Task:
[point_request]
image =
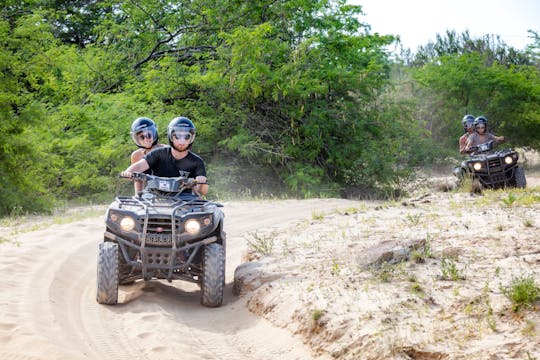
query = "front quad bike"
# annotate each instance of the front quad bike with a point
(492, 169)
(162, 234)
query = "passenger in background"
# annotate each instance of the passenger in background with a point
(468, 127)
(145, 135)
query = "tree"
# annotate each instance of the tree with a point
(24, 136)
(479, 77)
(298, 89)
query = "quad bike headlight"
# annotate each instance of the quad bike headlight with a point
(477, 166)
(508, 160)
(127, 223)
(192, 226)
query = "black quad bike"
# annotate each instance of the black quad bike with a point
(162, 234)
(492, 169)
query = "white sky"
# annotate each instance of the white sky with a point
(418, 21)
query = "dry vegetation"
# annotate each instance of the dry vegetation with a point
(458, 279)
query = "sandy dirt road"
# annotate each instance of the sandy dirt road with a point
(48, 308)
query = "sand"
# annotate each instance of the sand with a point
(313, 296)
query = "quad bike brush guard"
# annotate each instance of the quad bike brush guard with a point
(162, 234)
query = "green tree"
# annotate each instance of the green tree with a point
(292, 93)
(24, 161)
(479, 77)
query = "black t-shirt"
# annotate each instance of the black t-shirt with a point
(162, 163)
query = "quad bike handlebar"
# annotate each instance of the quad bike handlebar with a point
(144, 176)
(482, 148)
(164, 184)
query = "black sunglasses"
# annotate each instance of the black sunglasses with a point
(145, 136)
(184, 136)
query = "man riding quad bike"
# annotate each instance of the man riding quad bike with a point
(162, 234)
(492, 169)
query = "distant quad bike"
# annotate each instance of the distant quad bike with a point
(489, 169)
(161, 234)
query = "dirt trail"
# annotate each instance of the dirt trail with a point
(48, 308)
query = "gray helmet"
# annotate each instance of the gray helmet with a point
(480, 120)
(181, 124)
(143, 127)
(467, 120)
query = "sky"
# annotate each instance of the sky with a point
(418, 21)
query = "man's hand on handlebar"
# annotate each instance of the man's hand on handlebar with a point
(132, 175)
(125, 174)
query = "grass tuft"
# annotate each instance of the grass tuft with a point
(522, 292)
(450, 271)
(261, 244)
(317, 314)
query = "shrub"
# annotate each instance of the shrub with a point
(522, 291)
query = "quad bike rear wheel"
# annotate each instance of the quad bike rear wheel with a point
(213, 275)
(107, 273)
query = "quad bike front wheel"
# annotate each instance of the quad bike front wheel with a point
(476, 186)
(213, 275)
(107, 273)
(519, 178)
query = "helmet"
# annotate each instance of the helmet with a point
(181, 124)
(467, 120)
(145, 125)
(480, 120)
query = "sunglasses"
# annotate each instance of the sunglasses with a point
(179, 136)
(146, 135)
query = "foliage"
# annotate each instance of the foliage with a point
(459, 75)
(522, 291)
(261, 243)
(297, 95)
(450, 270)
(24, 162)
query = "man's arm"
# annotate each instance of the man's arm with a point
(136, 156)
(462, 144)
(139, 166)
(201, 188)
(470, 143)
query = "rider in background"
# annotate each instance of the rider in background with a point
(145, 135)
(481, 135)
(177, 159)
(468, 128)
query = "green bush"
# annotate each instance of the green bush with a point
(522, 291)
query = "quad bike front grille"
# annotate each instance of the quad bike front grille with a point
(158, 231)
(158, 225)
(498, 179)
(495, 178)
(494, 163)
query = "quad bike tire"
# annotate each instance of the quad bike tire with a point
(213, 275)
(476, 186)
(519, 178)
(107, 273)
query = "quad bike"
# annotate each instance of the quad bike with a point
(492, 169)
(162, 233)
